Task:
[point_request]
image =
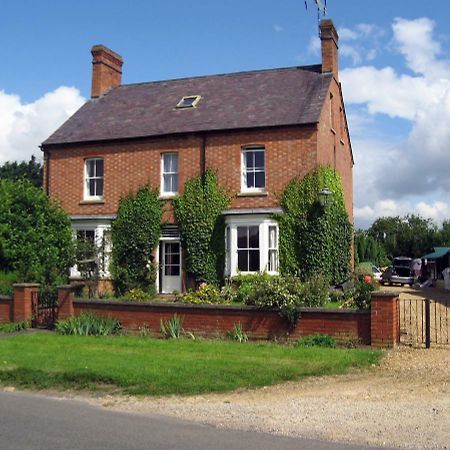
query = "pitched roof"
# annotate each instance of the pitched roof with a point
(263, 98)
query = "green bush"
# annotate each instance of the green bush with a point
(237, 333)
(172, 328)
(136, 295)
(7, 279)
(316, 291)
(14, 326)
(283, 293)
(135, 234)
(35, 234)
(317, 340)
(207, 293)
(360, 296)
(199, 215)
(89, 324)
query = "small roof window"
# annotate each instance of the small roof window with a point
(190, 101)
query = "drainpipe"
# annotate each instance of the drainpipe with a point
(203, 158)
(46, 181)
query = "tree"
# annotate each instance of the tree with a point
(443, 237)
(411, 235)
(35, 234)
(135, 234)
(31, 171)
(368, 249)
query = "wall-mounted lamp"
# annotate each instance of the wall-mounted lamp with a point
(325, 196)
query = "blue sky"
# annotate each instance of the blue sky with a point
(394, 62)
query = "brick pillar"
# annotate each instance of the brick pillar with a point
(22, 301)
(384, 315)
(65, 301)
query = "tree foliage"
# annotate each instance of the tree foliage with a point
(411, 235)
(35, 234)
(135, 234)
(199, 215)
(315, 239)
(368, 249)
(31, 170)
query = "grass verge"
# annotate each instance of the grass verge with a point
(134, 365)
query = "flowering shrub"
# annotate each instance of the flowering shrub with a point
(206, 294)
(282, 293)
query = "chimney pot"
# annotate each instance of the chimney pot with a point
(329, 39)
(106, 70)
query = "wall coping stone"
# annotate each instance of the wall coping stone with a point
(385, 294)
(6, 297)
(25, 285)
(217, 307)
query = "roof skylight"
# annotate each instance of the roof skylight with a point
(190, 101)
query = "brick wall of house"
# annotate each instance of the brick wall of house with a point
(290, 152)
(333, 147)
(127, 166)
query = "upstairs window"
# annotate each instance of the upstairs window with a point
(253, 169)
(189, 101)
(93, 174)
(169, 178)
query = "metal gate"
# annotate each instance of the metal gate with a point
(45, 309)
(424, 322)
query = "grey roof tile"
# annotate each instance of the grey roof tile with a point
(262, 98)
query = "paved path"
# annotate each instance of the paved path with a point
(36, 422)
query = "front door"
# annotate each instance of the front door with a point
(170, 267)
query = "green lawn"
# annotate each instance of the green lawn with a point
(137, 365)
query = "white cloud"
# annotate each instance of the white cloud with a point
(414, 39)
(360, 43)
(437, 211)
(416, 167)
(278, 28)
(25, 125)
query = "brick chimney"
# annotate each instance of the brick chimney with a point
(329, 39)
(106, 70)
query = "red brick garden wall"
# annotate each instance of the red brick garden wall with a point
(6, 311)
(217, 320)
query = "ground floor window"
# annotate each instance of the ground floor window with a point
(251, 245)
(95, 238)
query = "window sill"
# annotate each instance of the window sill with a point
(168, 196)
(92, 202)
(253, 194)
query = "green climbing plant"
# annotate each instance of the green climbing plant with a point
(315, 239)
(199, 215)
(135, 234)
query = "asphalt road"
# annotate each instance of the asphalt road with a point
(30, 421)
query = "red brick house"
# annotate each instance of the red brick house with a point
(258, 129)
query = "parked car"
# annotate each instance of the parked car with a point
(400, 272)
(377, 273)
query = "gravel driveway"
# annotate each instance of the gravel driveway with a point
(405, 403)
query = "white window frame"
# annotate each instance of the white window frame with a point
(168, 194)
(87, 179)
(250, 149)
(100, 228)
(263, 222)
